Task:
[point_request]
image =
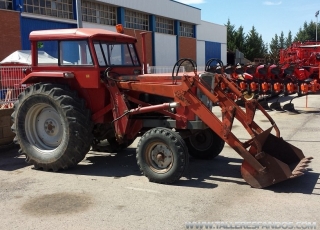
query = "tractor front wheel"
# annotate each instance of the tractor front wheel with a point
(162, 155)
(52, 126)
(205, 144)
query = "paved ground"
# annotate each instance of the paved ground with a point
(108, 192)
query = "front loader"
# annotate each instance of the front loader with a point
(72, 106)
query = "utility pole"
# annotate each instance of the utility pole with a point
(317, 13)
(79, 13)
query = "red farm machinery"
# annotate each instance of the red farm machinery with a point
(95, 90)
(296, 73)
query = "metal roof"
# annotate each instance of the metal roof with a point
(80, 33)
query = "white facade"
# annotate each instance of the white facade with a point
(98, 26)
(164, 8)
(201, 53)
(212, 32)
(165, 49)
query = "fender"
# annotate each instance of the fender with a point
(86, 78)
(34, 76)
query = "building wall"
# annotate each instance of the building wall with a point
(98, 26)
(213, 50)
(165, 49)
(31, 24)
(10, 39)
(187, 48)
(215, 38)
(212, 32)
(164, 8)
(224, 53)
(201, 53)
(148, 40)
(162, 49)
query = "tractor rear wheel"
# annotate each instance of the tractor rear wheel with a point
(162, 155)
(205, 145)
(52, 126)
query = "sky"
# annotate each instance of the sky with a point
(268, 17)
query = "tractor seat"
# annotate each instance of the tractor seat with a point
(229, 70)
(251, 70)
(275, 71)
(262, 71)
(239, 70)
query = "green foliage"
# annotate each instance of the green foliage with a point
(274, 49)
(307, 32)
(253, 46)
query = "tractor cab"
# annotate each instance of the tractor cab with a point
(83, 54)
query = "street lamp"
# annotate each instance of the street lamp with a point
(317, 13)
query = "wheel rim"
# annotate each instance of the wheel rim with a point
(44, 128)
(159, 157)
(202, 141)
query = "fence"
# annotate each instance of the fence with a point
(168, 69)
(10, 85)
(11, 76)
(163, 69)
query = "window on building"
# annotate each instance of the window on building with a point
(6, 4)
(54, 8)
(99, 13)
(136, 20)
(186, 30)
(164, 25)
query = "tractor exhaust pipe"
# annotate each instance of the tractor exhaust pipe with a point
(144, 52)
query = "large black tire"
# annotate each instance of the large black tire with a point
(52, 126)
(162, 155)
(205, 145)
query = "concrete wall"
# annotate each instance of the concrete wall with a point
(165, 8)
(10, 39)
(201, 53)
(212, 33)
(165, 49)
(6, 136)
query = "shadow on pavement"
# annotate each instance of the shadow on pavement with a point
(200, 173)
(11, 159)
(306, 184)
(117, 165)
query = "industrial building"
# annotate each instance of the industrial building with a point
(174, 30)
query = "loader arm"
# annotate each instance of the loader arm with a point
(268, 159)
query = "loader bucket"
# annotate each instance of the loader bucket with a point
(280, 159)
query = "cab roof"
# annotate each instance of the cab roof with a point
(80, 33)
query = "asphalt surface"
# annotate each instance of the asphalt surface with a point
(108, 192)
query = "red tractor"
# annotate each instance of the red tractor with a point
(95, 90)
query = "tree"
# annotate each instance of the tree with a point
(230, 36)
(239, 39)
(281, 41)
(308, 32)
(274, 49)
(288, 40)
(254, 47)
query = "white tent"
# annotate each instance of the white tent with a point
(23, 57)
